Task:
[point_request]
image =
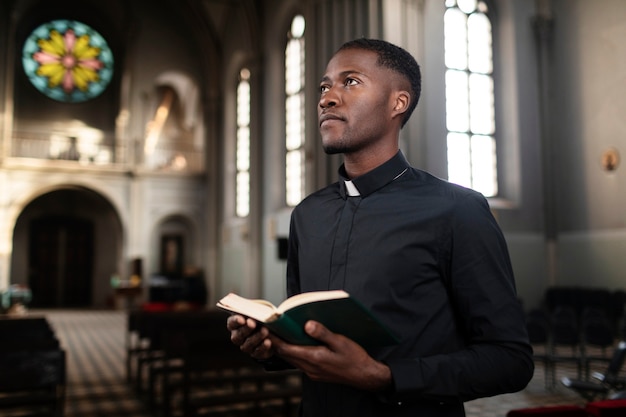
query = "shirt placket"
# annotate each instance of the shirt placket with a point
(341, 243)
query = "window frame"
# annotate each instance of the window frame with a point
(495, 134)
(295, 150)
(242, 168)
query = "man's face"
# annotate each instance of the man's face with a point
(356, 103)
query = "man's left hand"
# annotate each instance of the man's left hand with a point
(337, 360)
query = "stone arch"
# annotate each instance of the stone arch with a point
(67, 243)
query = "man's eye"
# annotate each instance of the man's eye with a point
(351, 81)
(323, 89)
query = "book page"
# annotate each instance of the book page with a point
(309, 297)
(260, 310)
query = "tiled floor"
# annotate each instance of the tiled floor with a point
(94, 341)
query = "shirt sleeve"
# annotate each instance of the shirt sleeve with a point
(497, 357)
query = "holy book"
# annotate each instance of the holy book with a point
(335, 309)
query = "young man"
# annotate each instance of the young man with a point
(425, 256)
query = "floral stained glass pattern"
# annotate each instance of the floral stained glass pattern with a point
(68, 61)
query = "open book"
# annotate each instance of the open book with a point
(335, 309)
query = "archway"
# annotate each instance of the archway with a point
(67, 244)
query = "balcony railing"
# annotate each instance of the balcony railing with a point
(103, 152)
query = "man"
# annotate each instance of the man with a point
(425, 256)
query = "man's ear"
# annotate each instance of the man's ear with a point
(402, 100)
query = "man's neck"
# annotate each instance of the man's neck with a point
(359, 163)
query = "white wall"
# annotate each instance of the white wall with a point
(588, 101)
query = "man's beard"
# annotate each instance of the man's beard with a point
(340, 145)
(334, 149)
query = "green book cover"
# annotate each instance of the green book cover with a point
(335, 309)
(345, 316)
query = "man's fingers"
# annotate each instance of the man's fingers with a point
(318, 331)
(240, 328)
(251, 338)
(235, 321)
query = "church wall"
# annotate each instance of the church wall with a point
(520, 210)
(238, 238)
(588, 74)
(277, 19)
(565, 225)
(159, 41)
(157, 198)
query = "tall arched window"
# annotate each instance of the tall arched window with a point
(470, 112)
(294, 112)
(242, 182)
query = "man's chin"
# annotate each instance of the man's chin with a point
(334, 147)
(332, 150)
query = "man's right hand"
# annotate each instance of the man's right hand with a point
(251, 337)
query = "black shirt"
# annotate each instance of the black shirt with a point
(428, 258)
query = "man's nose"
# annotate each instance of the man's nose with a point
(329, 99)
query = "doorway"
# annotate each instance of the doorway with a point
(60, 261)
(67, 244)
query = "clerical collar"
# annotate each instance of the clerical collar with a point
(351, 189)
(377, 178)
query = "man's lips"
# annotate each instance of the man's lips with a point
(329, 117)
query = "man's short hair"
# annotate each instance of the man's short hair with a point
(396, 59)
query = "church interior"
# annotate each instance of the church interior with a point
(151, 151)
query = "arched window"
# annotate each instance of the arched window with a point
(173, 140)
(294, 112)
(470, 111)
(242, 153)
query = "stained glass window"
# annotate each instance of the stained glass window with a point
(67, 61)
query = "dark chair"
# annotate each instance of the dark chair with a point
(559, 297)
(137, 342)
(618, 310)
(32, 367)
(596, 299)
(146, 348)
(33, 382)
(538, 328)
(255, 394)
(565, 339)
(177, 336)
(618, 303)
(24, 329)
(597, 334)
(610, 382)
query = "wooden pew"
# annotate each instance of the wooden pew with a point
(212, 373)
(191, 365)
(146, 333)
(32, 368)
(250, 394)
